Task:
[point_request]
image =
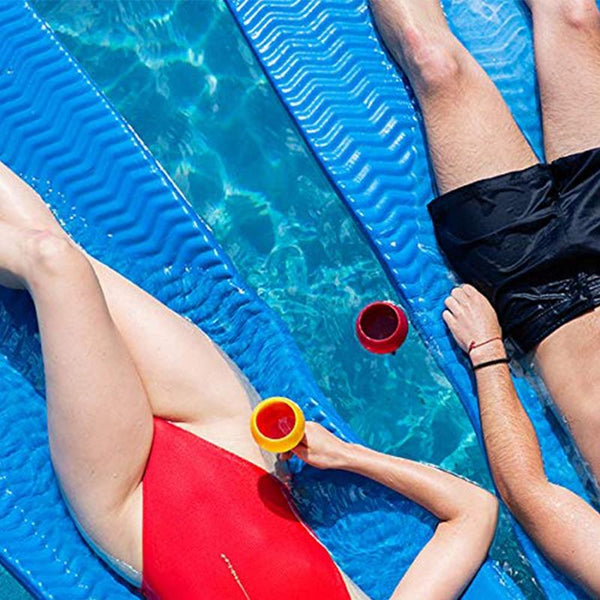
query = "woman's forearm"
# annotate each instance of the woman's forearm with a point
(467, 514)
(446, 496)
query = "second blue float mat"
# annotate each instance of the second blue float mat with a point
(357, 114)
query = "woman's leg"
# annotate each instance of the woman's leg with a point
(567, 53)
(186, 377)
(471, 132)
(99, 419)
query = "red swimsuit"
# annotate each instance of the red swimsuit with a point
(217, 527)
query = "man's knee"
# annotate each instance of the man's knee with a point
(435, 63)
(581, 15)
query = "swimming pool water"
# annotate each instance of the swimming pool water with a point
(182, 75)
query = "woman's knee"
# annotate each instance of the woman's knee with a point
(52, 255)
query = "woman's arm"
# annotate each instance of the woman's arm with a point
(563, 525)
(467, 513)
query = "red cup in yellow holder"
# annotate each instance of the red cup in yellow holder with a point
(277, 424)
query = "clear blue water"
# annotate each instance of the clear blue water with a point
(184, 78)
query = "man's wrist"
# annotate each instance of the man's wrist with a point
(492, 351)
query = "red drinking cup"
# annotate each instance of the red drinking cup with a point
(382, 327)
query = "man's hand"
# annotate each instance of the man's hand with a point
(472, 319)
(320, 448)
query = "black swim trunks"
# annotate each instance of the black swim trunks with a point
(530, 241)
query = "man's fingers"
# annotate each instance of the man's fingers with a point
(448, 318)
(452, 304)
(459, 294)
(469, 290)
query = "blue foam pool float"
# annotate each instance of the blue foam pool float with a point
(357, 114)
(60, 133)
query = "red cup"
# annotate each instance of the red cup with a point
(381, 327)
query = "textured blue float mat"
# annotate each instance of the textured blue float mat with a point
(360, 119)
(62, 136)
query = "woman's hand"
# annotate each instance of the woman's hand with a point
(472, 320)
(320, 448)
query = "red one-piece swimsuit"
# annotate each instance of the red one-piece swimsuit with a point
(217, 527)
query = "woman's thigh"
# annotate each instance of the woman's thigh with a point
(99, 418)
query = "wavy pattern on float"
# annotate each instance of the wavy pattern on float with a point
(356, 113)
(61, 135)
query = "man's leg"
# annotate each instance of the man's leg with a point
(567, 49)
(567, 52)
(567, 361)
(471, 132)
